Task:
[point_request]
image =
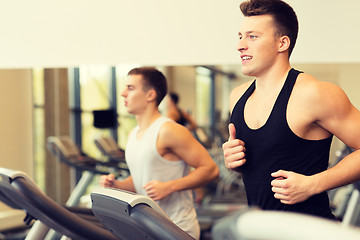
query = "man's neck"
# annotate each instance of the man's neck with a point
(272, 79)
(147, 118)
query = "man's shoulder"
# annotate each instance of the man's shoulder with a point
(310, 85)
(171, 134)
(315, 93)
(171, 127)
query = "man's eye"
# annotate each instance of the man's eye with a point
(252, 37)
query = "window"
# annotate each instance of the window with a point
(39, 131)
(203, 96)
(126, 120)
(95, 94)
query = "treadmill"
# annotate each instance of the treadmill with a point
(256, 224)
(18, 191)
(120, 210)
(132, 216)
(109, 148)
(68, 152)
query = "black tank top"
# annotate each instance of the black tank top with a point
(275, 147)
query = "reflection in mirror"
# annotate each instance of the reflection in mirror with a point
(204, 93)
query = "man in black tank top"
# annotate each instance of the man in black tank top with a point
(283, 122)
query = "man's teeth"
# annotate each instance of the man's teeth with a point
(246, 58)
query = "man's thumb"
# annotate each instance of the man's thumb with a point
(111, 177)
(232, 132)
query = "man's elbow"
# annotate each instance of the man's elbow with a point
(215, 172)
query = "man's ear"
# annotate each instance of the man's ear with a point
(284, 43)
(151, 95)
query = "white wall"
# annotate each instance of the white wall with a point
(161, 32)
(183, 82)
(16, 142)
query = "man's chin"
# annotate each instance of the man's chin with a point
(247, 72)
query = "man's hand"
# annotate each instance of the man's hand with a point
(108, 180)
(234, 150)
(291, 188)
(157, 190)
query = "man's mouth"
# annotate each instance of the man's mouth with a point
(246, 58)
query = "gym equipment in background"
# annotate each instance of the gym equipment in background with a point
(109, 148)
(106, 118)
(352, 212)
(68, 152)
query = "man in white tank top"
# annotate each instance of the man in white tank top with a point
(159, 153)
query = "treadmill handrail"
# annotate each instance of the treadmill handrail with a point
(27, 196)
(12, 174)
(256, 224)
(131, 198)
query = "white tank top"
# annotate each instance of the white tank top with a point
(146, 164)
